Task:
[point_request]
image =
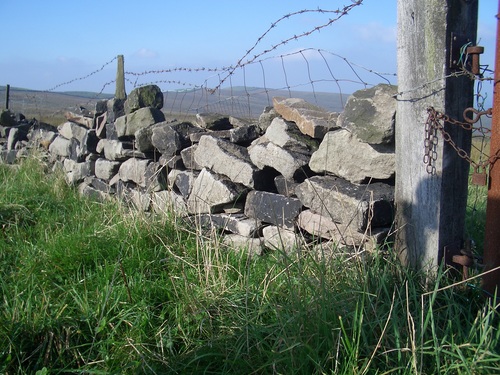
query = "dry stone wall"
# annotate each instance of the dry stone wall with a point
(298, 176)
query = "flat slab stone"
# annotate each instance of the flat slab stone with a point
(341, 153)
(171, 138)
(211, 192)
(134, 170)
(273, 208)
(106, 169)
(310, 119)
(234, 223)
(322, 226)
(90, 192)
(347, 203)
(287, 135)
(292, 165)
(116, 150)
(226, 158)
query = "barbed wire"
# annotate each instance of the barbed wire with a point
(83, 77)
(339, 12)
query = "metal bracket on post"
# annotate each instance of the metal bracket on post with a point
(457, 42)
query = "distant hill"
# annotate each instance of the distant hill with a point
(242, 102)
(48, 106)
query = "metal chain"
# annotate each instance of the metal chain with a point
(435, 123)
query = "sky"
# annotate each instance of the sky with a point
(52, 42)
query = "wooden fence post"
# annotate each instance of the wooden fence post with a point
(430, 208)
(120, 79)
(7, 94)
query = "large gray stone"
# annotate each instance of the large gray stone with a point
(287, 135)
(226, 158)
(184, 181)
(129, 124)
(106, 169)
(341, 153)
(8, 156)
(14, 137)
(61, 146)
(87, 191)
(170, 138)
(144, 96)
(370, 114)
(211, 192)
(116, 150)
(70, 130)
(310, 119)
(155, 177)
(115, 109)
(99, 184)
(142, 138)
(134, 170)
(286, 240)
(167, 202)
(243, 134)
(188, 159)
(272, 208)
(291, 165)
(76, 172)
(343, 202)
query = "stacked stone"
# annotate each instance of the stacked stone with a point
(298, 176)
(18, 134)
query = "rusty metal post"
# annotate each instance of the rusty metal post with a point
(491, 281)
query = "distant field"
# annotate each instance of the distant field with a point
(237, 101)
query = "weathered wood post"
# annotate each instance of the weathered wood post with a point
(120, 79)
(430, 207)
(7, 94)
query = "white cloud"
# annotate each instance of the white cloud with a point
(146, 53)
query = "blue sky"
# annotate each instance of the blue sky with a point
(51, 42)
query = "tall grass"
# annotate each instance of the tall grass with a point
(95, 288)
